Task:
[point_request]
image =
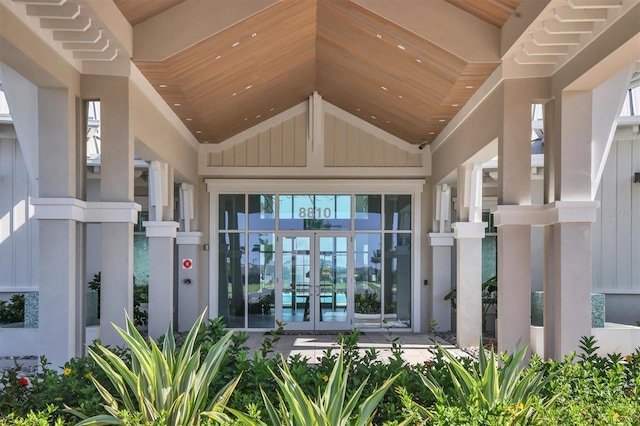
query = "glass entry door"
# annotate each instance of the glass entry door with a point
(314, 281)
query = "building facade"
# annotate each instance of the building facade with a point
(331, 187)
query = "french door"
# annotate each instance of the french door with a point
(315, 277)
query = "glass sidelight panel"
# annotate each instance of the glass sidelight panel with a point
(296, 278)
(231, 215)
(332, 282)
(231, 290)
(397, 280)
(368, 279)
(261, 281)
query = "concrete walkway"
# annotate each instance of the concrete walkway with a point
(417, 348)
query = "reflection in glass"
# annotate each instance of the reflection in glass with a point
(333, 279)
(231, 212)
(397, 280)
(261, 281)
(296, 271)
(231, 296)
(367, 273)
(397, 212)
(368, 213)
(314, 212)
(262, 212)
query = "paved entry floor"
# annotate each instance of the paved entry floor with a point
(417, 347)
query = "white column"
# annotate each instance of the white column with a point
(569, 132)
(469, 237)
(514, 287)
(514, 240)
(116, 185)
(567, 294)
(468, 234)
(188, 280)
(441, 245)
(61, 303)
(161, 245)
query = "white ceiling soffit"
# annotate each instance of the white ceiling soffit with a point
(92, 30)
(562, 30)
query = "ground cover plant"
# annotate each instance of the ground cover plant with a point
(493, 390)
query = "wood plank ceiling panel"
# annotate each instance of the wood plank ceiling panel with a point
(386, 74)
(137, 11)
(248, 72)
(355, 59)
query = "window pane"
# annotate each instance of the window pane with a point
(301, 212)
(262, 212)
(231, 279)
(397, 212)
(261, 281)
(368, 263)
(368, 214)
(231, 212)
(489, 257)
(397, 280)
(142, 217)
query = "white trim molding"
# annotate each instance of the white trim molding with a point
(546, 214)
(162, 229)
(441, 239)
(468, 229)
(314, 186)
(189, 238)
(86, 212)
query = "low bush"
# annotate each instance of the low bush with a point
(579, 389)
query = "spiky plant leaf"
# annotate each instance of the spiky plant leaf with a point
(160, 384)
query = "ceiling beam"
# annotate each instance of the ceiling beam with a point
(440, 23)
(192, 21)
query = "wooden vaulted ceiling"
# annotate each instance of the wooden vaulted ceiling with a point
(356, 59)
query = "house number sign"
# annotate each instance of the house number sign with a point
(315, 213)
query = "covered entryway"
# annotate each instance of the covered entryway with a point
(314, 256)
(315, 282)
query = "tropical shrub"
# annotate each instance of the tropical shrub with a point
(160, 386)
(13, 310)
(333, 407)
(588, 388)
(508, 394)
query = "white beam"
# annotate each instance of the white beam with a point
(543, 38)
(43, 2)
(99, 46)
(533, 49)
(440, 23)
(567, 14)
(107, 55)
(197, 20)
(89, 36)
(595, 4)
(553, 26)
(80, 23)
(65, 11)
(607, 103)
(523, 59)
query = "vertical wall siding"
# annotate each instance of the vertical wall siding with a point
(349, 146)
(283, 145)
(15, 225)
(616, 233)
